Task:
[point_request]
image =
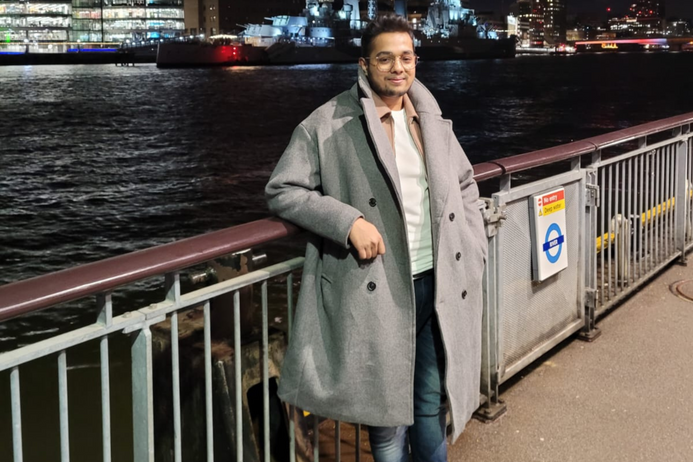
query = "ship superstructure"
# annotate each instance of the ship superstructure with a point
(449, 19)
(322, 34)
(320, 25)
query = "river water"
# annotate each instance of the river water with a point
(97, 161)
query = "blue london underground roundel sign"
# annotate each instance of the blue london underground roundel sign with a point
(553, 243)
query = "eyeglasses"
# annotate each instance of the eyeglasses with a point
(386, 62)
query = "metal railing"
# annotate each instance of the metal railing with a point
(629, 208)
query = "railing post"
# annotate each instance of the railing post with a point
(493, 407)
(592, 201)
(142, 396)
(682, 201)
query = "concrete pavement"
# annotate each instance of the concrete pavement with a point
(624, 398)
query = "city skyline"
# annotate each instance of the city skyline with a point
(674, 8)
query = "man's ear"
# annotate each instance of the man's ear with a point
(364, 67)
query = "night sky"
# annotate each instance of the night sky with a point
(678, 8)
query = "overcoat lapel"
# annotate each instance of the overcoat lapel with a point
(383, 148)
(434, 131)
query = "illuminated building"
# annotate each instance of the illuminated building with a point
(90, 20)
(45, 21)
(678, 28)
(554, 21)
(645, 18)
(645, 10)
(531, 19)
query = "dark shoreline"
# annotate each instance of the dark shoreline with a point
(140, 56)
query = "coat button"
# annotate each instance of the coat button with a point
(371, 286)
(452, 217)
(458, 255)
(372, 202)
(464, 294)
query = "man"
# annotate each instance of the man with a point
(388, 322)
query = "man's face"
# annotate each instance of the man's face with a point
(396, 81)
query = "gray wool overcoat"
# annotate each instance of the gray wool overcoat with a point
(352, 349)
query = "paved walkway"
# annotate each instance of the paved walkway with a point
(624, 398)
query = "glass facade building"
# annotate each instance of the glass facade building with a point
(90, 20)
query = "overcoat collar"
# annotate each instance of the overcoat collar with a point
(435, 134)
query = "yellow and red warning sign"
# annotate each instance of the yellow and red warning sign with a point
(549, 231)
(551, 203)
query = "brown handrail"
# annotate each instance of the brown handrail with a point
(42, 292)
(563, 152)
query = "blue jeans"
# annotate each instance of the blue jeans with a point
(427, 436)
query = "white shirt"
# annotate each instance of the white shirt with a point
(415, 197)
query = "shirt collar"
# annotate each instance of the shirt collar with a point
(384, 111)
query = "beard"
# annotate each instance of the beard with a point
(384, 90)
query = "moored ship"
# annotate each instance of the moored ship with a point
(323, 35)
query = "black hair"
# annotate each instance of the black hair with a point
(389, 22)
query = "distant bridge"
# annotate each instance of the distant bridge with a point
(637, 44)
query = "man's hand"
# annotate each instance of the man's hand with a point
(366, 239)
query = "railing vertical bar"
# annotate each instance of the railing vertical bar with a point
(105, 399)
(648, 215)
(16, 415)
(671, 243)
(663, 202)
(667, 198)
(658, 230)
(105, 305)
(289, 317)
(624, 216)
(670, 200)
(655, 215)
(604, 252)
(610, 230)
(175, 376)
(616, 225)
(172, 286)
(358, 442)
(292, 434)
(662, 193)
(316, 439)
(63, 405)
(265, 373)
(208, 382)
(689, 202)
(337, 441)
(237, 374)
(142, 396)
(289, 304)
(641, 227)
(689, 189)
(631, 223)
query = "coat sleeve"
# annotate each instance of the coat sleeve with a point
(295, 192)
(470, 194)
